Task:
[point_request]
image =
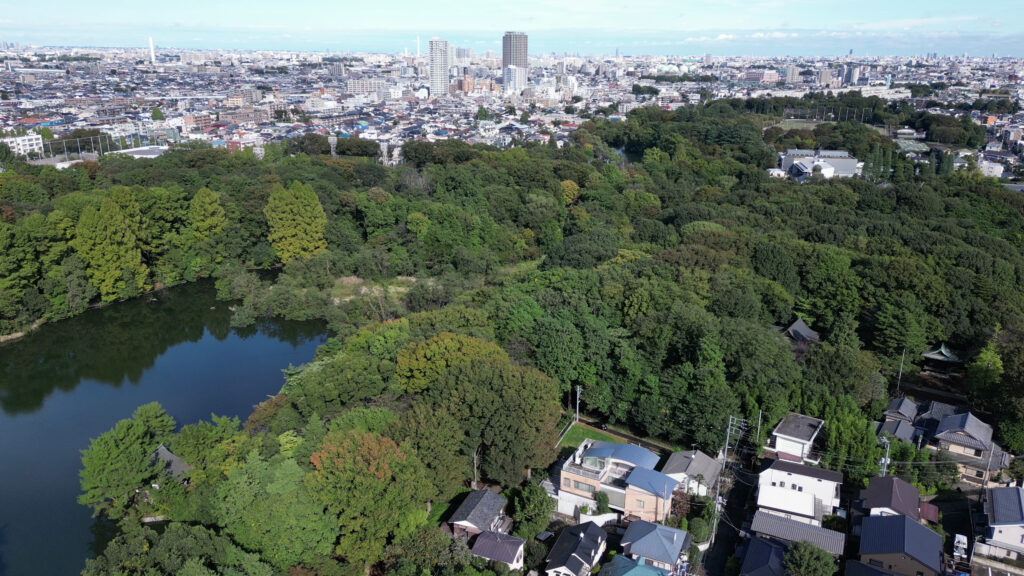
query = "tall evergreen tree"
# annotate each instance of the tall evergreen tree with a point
(297, 222)
(111, 252)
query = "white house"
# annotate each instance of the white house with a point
(1005, 510)
(794, 437)
(694, 470)
(799, 492)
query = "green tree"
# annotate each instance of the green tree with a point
(532, 508)
(985, 373)
(156, 113)
(206, 221)
(806, 559)
(111, 252)
(297, 222)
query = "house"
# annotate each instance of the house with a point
(763, 558)
(171, 462)
(798, 492)
(969, 442)
(900, 545)
(619, 565)
(858, 568)
(625, 472)
(577, 550)
(942, 360)
(500, 547)
(481, 511)
(892, 496)
(694, 470)
(799, 331)
(794, 437)
(1004, 509)
(656, 545)
(781, 529)
(901, 410)
(802, 164)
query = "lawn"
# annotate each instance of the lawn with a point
(580, 432)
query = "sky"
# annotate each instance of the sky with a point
(634, 27)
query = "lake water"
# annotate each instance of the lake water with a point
(71, 381)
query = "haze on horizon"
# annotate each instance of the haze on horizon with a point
(723, 27)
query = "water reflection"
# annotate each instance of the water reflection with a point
(119, 343)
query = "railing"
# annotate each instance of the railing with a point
(578, 470)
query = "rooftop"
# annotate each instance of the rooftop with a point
(795, 531)
(901, 535)
(799, 427)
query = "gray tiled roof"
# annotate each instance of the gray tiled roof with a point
(794, 531)
(966, 430)
(800, 331)
(901, 535)
(899, 429)
(1005, 506)
(809, 471)
(175, 465)
(497, 546)
(693, 463)
(479, 509)
(763, 558)
(655, 541)
(902, 408)
(799, 426)
(576, 547)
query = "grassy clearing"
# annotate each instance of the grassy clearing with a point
(579, 432)
(350, 287)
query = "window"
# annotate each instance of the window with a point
(799, 488)
(584, 487)
(919, 573)
(567, 483)
(979, 474)
(978, 453)
(773, 483)
(640, 504)
(794, 486)
(875, 563)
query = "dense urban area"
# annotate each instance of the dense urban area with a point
(620, 315)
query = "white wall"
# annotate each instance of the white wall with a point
(823, 490)
(790, 446)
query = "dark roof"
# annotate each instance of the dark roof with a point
(576, 548)
(801, 332)
(799, 426)
(175, 465)
(652, 481)
(1005, 506)
(763, 558)
(789, 530)
(498, 546)
(901, 535)
(900, 429)
(942, 354)
(479, 509)
(902, 408)
(655, 541)
(693, 463)
(894, 493)
(966, 430)
(631, 453)
(810, 471)
(929, 415)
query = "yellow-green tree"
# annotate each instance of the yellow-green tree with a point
(111, 251)
(297, 222)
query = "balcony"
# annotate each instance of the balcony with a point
(578, 470)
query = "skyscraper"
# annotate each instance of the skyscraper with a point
(439, 65)
(514, 50)
(152, 53)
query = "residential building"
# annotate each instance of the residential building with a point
(794, 437)
(803, 164)
(499, 547)
(24, 145)
(763, 558)
(892, 496)
(514, 80)
(620, 565)
(694, 470)
(439, 67)
(786, 530)
(798, 492)
(577, 550)
(901, 546)
(625, 472)
(1004, 510)
(656, 545)
(514, 50)
(481, 511)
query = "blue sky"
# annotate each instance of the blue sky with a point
(727, 27)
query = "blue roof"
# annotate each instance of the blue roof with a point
(619, 565)
(652, 481)
(901, 535)
(655, 541)
(631, 453)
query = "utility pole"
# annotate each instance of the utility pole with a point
(885, 461)
(759, 429)
(900, 377)
(577, 402)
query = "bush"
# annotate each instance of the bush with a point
(602, 503)
(700, 530)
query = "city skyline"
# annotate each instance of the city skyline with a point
(653, 27)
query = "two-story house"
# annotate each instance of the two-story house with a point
(794, 438)
(577, 550)
(694, 470)
(891, 496)
(1004, 508)
(798, 492)
(969, 442)
(481, 511)
(901, 546)
(656, 545)
(625, 472)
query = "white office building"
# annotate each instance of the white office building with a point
(23, 145)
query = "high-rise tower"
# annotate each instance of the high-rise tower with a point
(152, 53)
(514, 50)
(439, 65)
